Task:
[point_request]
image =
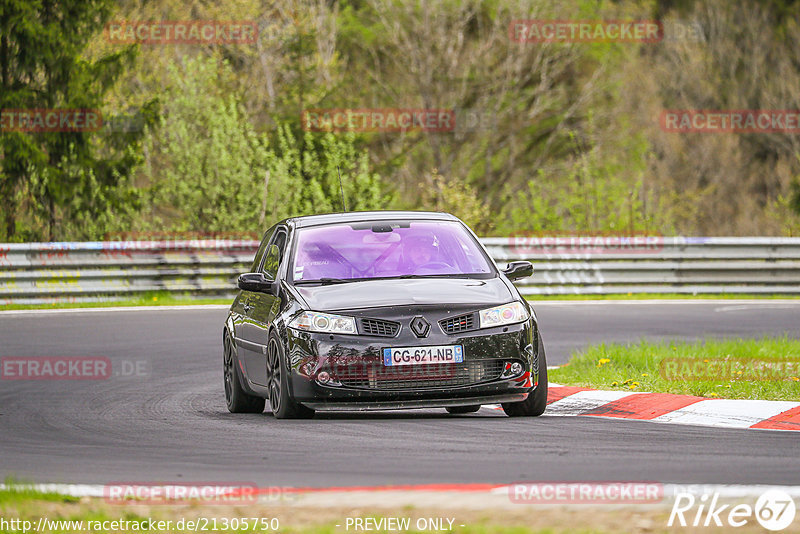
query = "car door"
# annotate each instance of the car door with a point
(241, 307)
(260, 310)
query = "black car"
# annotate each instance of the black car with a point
(381, 310)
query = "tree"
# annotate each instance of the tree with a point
(209, 170)
(42, 66)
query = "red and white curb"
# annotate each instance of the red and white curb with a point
(290, 494)
(676, 409)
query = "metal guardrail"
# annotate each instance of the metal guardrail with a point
(33, 273)
(95, 271)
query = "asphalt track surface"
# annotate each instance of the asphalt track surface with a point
(172, 425)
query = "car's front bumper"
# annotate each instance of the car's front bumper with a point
(405, 404)
(483, 377)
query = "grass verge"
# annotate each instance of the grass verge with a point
(766, 368)
(166, 298)
(153, 298)
(68, 515)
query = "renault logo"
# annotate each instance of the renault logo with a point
(420, 326)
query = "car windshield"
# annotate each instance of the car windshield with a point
(387, 249)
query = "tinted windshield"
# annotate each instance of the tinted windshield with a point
(387, 249)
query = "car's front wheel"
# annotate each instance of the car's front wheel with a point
(536, 402)
(236, 398)
(281, 403)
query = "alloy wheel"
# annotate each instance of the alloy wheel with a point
(274, 375)
(228, 370)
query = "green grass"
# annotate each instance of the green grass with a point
(153, 298)
(19, 502)
(14, 492)
(678, 367)
(166, 298)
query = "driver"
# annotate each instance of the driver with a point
(420, 250)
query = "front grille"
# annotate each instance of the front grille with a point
(377, 327)
(460, 323)
(379, 377)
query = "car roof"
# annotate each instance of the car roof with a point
(363, 216)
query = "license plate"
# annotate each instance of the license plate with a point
(423, 355)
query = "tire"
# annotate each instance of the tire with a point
(536, 402)
(236, 398)
(463, 409)
(281, 403)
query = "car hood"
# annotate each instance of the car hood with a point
(430, 291)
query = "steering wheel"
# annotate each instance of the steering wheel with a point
(434, 266)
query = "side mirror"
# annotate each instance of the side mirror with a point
(257, 282)
(518, 269)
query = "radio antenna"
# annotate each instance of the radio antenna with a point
(339, 172)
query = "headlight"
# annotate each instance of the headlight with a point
(513, 312)
(323, 322)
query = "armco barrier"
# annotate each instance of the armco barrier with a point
(92, 271)
(105, 270)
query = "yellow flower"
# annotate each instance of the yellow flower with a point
(645, 374)
(602, 361)
(712, 394)
(795, 378)
(614, 384)
(706, 360)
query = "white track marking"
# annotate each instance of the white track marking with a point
(728, 413)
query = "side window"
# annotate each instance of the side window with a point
(272, 262)
(261, 249)
(280, 242)
(274, 254)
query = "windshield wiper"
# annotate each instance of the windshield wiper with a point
(432, 275)
(326, 281)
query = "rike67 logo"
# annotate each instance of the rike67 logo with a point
(774, 510)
